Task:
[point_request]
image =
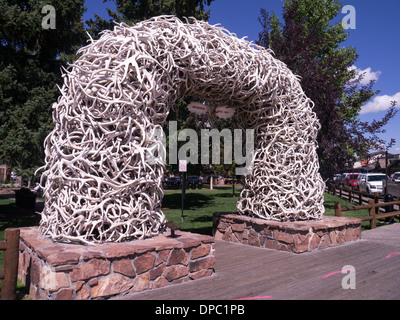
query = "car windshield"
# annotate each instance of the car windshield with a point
(376, 178)
(396, 176)
(353, 176)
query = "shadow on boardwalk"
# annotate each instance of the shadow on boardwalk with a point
(248, 272)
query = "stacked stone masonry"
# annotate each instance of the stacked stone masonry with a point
(297, 237)
(57, 271)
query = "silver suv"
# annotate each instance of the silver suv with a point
(371, 182)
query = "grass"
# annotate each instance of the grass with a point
(199, 207)
(329, 203)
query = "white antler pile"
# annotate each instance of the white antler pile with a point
(100, 184)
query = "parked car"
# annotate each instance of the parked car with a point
(207, 179)
(230, 179)
(194, 182)
(371, 182)
(350, 180)
(337, 178)
(173, 182)
(396, 177)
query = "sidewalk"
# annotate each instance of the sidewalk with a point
(244, 272)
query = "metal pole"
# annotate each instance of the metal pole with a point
(182, 170)
(183, 192)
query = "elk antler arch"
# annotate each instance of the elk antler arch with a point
(98, 184)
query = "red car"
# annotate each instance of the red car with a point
(351, 180)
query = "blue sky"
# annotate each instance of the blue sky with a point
(376, 38)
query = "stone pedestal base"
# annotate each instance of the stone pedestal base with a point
(298, 237)
(69, 271)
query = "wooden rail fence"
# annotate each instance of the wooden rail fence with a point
(352, 194)
(9, 275)
(373, 206)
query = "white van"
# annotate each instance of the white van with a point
(371, 182)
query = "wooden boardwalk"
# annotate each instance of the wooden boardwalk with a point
(249, 272)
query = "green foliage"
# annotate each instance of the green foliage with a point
(132, 12)
(309, 41)
(30, 62)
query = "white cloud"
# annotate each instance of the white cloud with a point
(368, 74)
(380, 103)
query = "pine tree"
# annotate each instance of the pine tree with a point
(132, 12)
(31, 56)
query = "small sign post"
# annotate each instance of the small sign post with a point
(182, 170)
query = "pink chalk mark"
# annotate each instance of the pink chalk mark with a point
(389, 255)
(255, 298)
(329, 274)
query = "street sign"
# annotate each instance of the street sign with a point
(182, 165)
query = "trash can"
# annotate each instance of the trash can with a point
(25, 198)
(389, 198)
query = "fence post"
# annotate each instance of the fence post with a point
(376, 199)
(350, 194)
(372, 213)
(338, 209)
(340, 191)
(334, 189)
(9, 286)
(359, 196)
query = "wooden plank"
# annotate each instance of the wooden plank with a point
(244, 271)
(372, 213)
(362, 207)
(338, 209)
(387, 215)
(384, 204)
(371, 269)
(9, 286)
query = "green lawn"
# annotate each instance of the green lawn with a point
(199, 207)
